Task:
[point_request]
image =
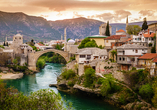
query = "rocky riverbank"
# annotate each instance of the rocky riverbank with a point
(11, 75)
(128, 102)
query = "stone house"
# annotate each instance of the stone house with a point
(127, 55)
(87, 55)
(110, 41)
(148, 60)
(144, 38)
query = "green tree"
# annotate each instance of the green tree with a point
(4, 43)
(144, 25)
(68, 39)
(45, 99)
(40, 63)
(41, 43)
(146, 91)
(107, 33)
(15, 61)
(89, 77)
(83, 42)
(113, 53)
(133, 29)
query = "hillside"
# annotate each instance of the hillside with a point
(78, 27)
(38, 28)
(29, 26)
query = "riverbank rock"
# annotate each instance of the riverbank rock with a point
(53, 85)
(11, 75)
(138, 106)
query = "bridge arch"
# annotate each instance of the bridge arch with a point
(33, 57)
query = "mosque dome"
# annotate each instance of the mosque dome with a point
(71, 41)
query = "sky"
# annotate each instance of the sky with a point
(114, 11)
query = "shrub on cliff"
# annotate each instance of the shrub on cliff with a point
(89, 77)
(146, 91)
(40, 63)
(67, 74)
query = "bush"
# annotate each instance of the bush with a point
(67, 74)
(89, 77)
(40, 100)
(71, 83)
(146, 91)
(105, 87)
(86, 67)
(40, 63)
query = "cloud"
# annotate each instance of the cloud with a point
(147, 12)
(76, 14)
(62, 5)
(116, 16)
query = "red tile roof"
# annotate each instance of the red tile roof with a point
(114, 37)
(128, 40)
(148, 56)
(149, 35)
(121, 30)
(130, 55)
(155, 60)
(40, 44)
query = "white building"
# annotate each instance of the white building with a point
(144, 37)
(127, 55)
(87, 55)
(42, 47)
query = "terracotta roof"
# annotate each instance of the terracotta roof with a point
(114, 37)
(149, 35)
(121, 30)
(40, 44)
(130, 55)
(155, 60)
(128, 40)
(148, 56)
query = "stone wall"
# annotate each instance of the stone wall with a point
(105, 67)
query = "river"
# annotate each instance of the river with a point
(41, 80)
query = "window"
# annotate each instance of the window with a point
(149, 38)
(133, 50)
(88, 56)
(136, 51)
(20, 38)
(135, 38)
(120, 59)
(143, 39)
(82, 56)
(152, 39)
(123, 59)
(106, 41)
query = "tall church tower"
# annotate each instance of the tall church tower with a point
(65, 40)
(126, 25)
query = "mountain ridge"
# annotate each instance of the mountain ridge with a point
(40, 29)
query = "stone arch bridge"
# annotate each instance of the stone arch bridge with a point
(33, 57)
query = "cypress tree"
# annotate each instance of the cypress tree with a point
(4, 43)
(107, 33)
(144, 25)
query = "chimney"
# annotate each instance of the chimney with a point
(148, 31)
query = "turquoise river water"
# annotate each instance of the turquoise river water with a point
(41, 80)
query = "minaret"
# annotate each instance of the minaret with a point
(65, 40)
(126, 24)
(6, 39)
(61, 37)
